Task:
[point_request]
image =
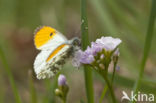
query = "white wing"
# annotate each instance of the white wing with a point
(44, 68)
(40, 65)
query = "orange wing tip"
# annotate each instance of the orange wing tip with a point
(35, 32)
(42, 35)
(38, 29)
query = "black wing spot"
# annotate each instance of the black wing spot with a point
(51, 34)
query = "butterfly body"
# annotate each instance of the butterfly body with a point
(55, 49)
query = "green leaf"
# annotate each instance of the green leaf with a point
(148, 40)
(10, 76)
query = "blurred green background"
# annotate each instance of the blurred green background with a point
(126, 19)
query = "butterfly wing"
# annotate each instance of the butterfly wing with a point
(54, 49)
(40, 64)
(48, 62)
(47, 38)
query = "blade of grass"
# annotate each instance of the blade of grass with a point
(10, 76)
(32, 88)
(129, 82)
(129, 24)
(126, 21)
(147, 46)
(2, 89)
(129, 6)
(85, 43)
(104, 17)
(106, 21)
(50, 87)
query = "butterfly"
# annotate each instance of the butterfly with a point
(54, 48)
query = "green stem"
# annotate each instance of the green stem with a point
(114, 69)
(104, 74)
(64, 100)
(110, 88)
(103, 93)
(33, 95)
(10, 76)
(106, 87)
(147, 46)
(85, 43)
(89, 84)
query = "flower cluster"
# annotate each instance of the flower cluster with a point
(99, 50)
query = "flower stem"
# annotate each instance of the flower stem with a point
(106, 87)
(114, 69)
(149, 37)
(64, 100)
(110, 88)
(85, 43)
(103, 93)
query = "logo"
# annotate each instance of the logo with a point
(137, 97)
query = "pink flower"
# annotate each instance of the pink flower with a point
(108, 43)
(104, 43)
(61, 80)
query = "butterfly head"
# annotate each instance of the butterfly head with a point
(75, 41)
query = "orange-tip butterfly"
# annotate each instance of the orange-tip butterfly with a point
(55, 49)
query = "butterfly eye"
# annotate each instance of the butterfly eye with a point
(51, 34)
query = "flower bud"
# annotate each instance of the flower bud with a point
(58, 92)
(117, 53)
(61, 80)
(101, 66)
